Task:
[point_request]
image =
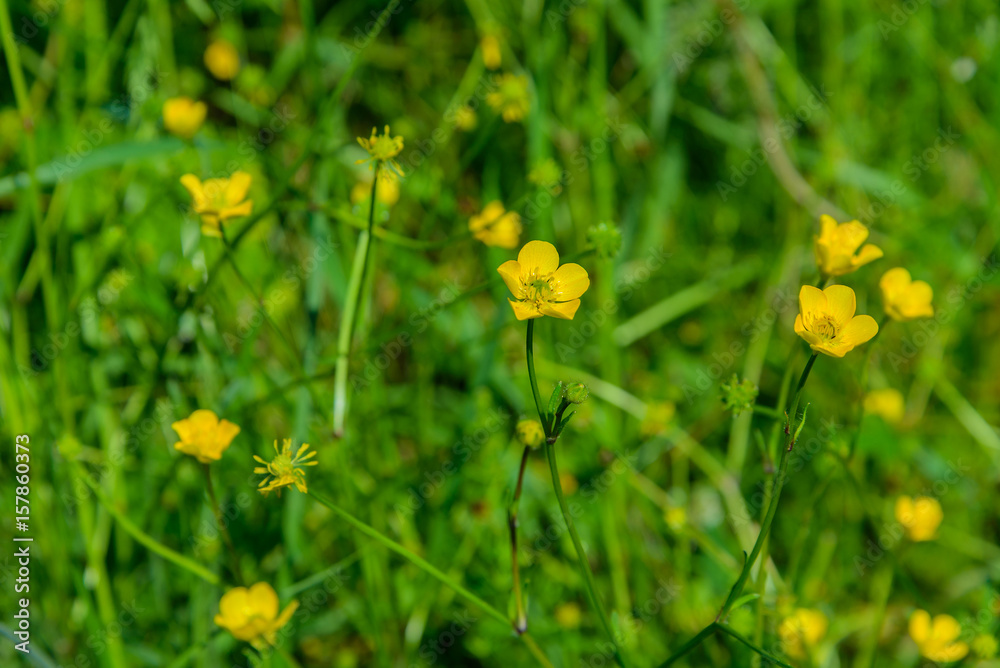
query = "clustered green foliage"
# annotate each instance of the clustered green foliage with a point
(648, 125)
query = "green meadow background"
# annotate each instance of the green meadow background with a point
(711, 135)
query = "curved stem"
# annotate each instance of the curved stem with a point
(530, 356)
(220, 520)
(521, 620)
(359, 270)
(581, 556)
(147, 540)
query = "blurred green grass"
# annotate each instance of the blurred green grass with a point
(118, 319)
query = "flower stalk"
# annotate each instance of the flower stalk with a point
(220, 520)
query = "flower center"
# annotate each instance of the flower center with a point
(826, 328)
(539, 290)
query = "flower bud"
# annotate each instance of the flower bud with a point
(606, 239)
(577, 393)
(530, 433)
(738, 396)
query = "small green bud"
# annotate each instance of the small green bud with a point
(577, 393)
(738, 396)
(606, 239)
(530, 433)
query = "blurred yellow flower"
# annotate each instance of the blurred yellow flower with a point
(182, 116)
(387, 193)
(568, 616)
(827, 322)
(802, 630)
(382, 151)
(540, 286)
(490, 46)
(252, 614)
(511, 99)
(659, 415)
(936, 639)
(530, 433)
(283, 469)
(218, 200)
(496, 226)
(465, 118)
(904, 298)
(920, 517)
(837, 246)
(222, 60)
(985, 646)
(887, 403)
(675, 517)
(204, 436)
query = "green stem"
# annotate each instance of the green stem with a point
(521, 620)
(359, 270)
(690, 645)
(146, 539)
(220, 520)
(581, 556)
(767, 655)
(530, 355)
(779, 483)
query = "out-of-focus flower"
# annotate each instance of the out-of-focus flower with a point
(887, 403)
(658, 418)
(182, 116)
(252, 614)
(547, 174)
(465, 118)
(827, 322)
(675, 517)
(738, 396)
(540, 286)
(985, 646)
(921, 517)
(511, 98)
(382, 151)
(936, 639)
(283, 469)
(204, 436)
(387, 193)
(218, 200)
(837, 245)
(11, 129)
(530, 433)
(496, 226)
(568, 616)
(904, 298)
(222, 60)
(606, 239)
(802, 631)
(490, 46)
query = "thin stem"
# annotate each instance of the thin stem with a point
(359, 270)
(220, 520)
(146, 539)
(530, 355)
(767, 655)
(521, 620)
(581, 556)
(690, 645)
(779, 483)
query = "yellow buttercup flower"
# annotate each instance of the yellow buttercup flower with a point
(936, 638)
(530, 433)
(222, 60)
(182, 116)
(490, 47)
(827, 322)
(511, 98)
(802, 630)
(252, 614)
(382, 151)
(218, 200)
(904, 298)
(837, 246)
(920, 517)
(887, 403)
(204, 435)
(540, 286)
(496, 226)
(283, 469)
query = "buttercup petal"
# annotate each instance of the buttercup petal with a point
(920, 626)
(852, 234)
(894, 281)
(831, 348)
(244, 209)
(861, 328)
(570, 282)
(827, 226)
(869, 253)
(841, 303)
(264, 600)
(525, 310)
(564, 310)
(812, 302)
(237, 188)
(538, 256)
(193, 185)
(510, 271)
